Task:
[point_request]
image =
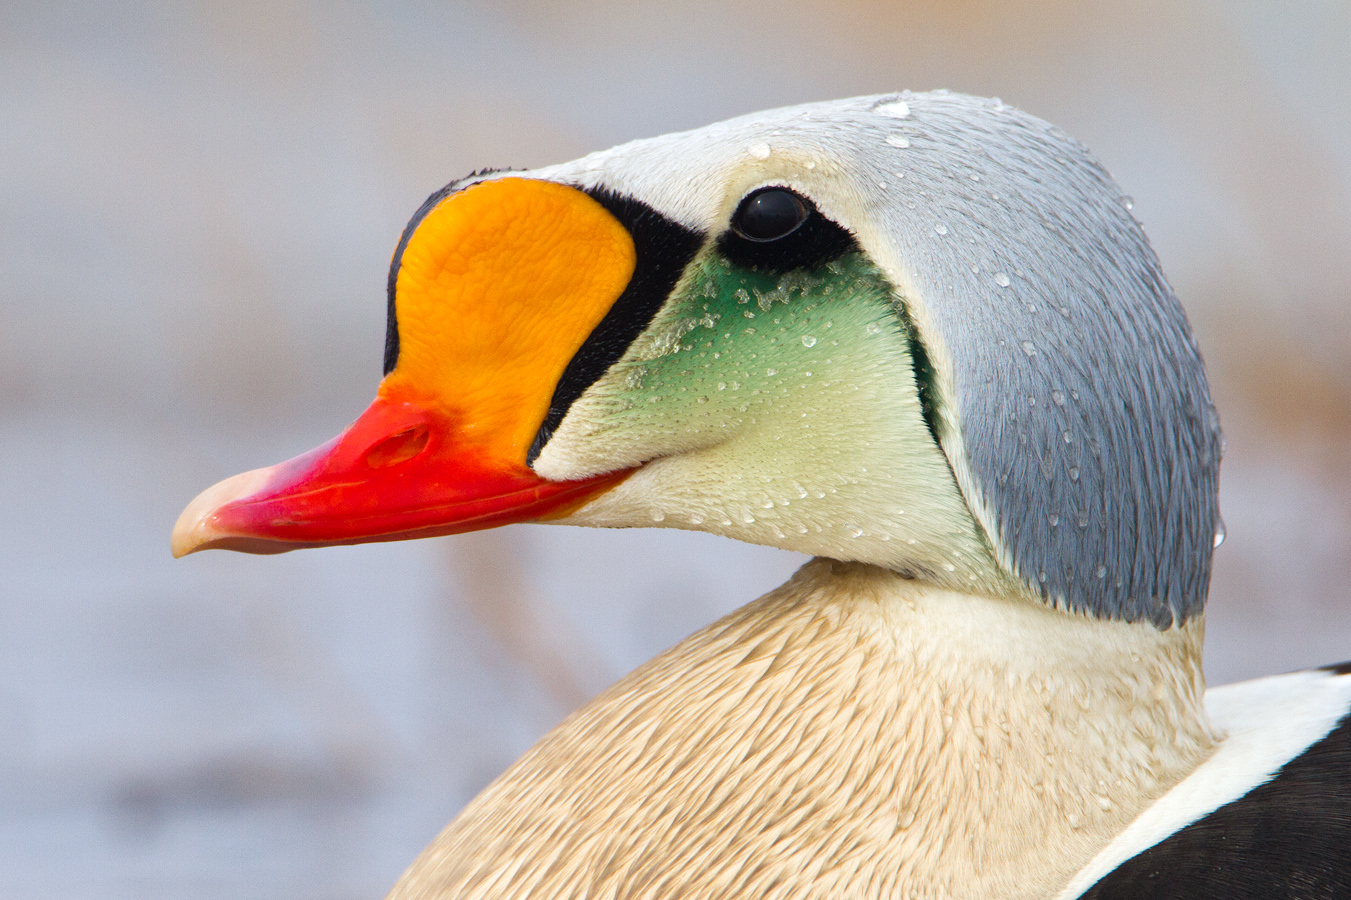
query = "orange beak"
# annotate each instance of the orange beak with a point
(496, 288)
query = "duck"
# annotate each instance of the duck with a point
(921, 338)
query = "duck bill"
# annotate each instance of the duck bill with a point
(401, 470)
(493, 290)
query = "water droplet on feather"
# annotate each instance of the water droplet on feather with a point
(896, 109)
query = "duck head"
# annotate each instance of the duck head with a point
(918, 331)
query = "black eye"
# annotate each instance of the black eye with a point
(777, 230)
(769, 214)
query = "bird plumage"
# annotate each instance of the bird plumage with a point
(1267, 815)
(1065, 375)
(921, 337)
(852, 734)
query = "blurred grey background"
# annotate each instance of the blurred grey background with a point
(197, 206)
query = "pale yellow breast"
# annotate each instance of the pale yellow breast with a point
(830, 740)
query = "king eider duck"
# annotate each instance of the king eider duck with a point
(921, 338)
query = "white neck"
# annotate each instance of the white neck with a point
(853, 733)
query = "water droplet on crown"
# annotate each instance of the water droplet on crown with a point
(759, 151)
(896, 109)
(897, 140)
(1001, 279)
(940, 230)
(1220, 532)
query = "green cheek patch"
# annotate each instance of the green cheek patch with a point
(734, 342)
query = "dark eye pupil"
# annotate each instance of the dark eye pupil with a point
(769, 214)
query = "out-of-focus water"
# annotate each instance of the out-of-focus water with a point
(197, 204)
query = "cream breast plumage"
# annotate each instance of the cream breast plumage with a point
(922, 338)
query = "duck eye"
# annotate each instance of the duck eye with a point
(769, 214)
